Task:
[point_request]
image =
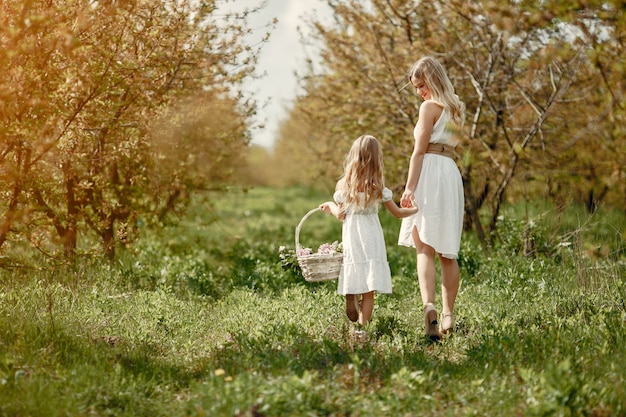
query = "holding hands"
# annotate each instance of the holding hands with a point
(408, 199)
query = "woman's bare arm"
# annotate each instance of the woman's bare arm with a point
(428, 114)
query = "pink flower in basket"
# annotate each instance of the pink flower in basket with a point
(303, 251)
(330, 248)
(324, 249)
(323, 265)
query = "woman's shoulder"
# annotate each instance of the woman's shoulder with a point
(430, 111)
(432, 108)
(434, 104)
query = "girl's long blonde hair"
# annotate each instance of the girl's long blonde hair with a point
(363, 172)
(429, 70)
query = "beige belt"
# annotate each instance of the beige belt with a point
(441, 149)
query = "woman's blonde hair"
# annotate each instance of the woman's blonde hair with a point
(363, 172)
(429, 70)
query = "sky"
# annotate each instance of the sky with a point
(279, 58)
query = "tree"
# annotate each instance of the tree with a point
(594, 155)
(520, 68)
(84, 84)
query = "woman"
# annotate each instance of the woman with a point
(434, 185)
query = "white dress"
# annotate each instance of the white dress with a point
(439, 197)
(365, 267)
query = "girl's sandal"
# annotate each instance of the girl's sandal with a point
(447, 323)
(430, 322)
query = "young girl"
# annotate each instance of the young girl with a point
(358, 194)
(434, 184)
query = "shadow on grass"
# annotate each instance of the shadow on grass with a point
(384, 349)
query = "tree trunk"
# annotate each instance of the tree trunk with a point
(108, 238)
(5, 227)
(70, 235)
(471, 209)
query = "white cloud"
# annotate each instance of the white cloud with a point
(279, 58)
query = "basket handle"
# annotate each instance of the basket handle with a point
(306, 216)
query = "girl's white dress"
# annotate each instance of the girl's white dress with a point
(365, 267)
(439, 197)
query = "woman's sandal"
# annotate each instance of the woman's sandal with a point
(447, 323)
(352, 306)
(430, 322)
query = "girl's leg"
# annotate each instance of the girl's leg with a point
(367, 307)
(352, 306)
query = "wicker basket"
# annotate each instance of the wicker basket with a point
(317, 266)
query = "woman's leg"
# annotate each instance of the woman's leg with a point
(427, 277)
(426, 272)
(367, 307)
(450, 277)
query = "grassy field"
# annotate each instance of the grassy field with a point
(201, 319)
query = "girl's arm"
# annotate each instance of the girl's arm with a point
(428, 114)
(331, 207)
(399, 212)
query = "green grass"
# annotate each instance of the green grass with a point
(201, 320)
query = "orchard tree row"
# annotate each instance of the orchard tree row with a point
(112, 113)
(543, 84)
